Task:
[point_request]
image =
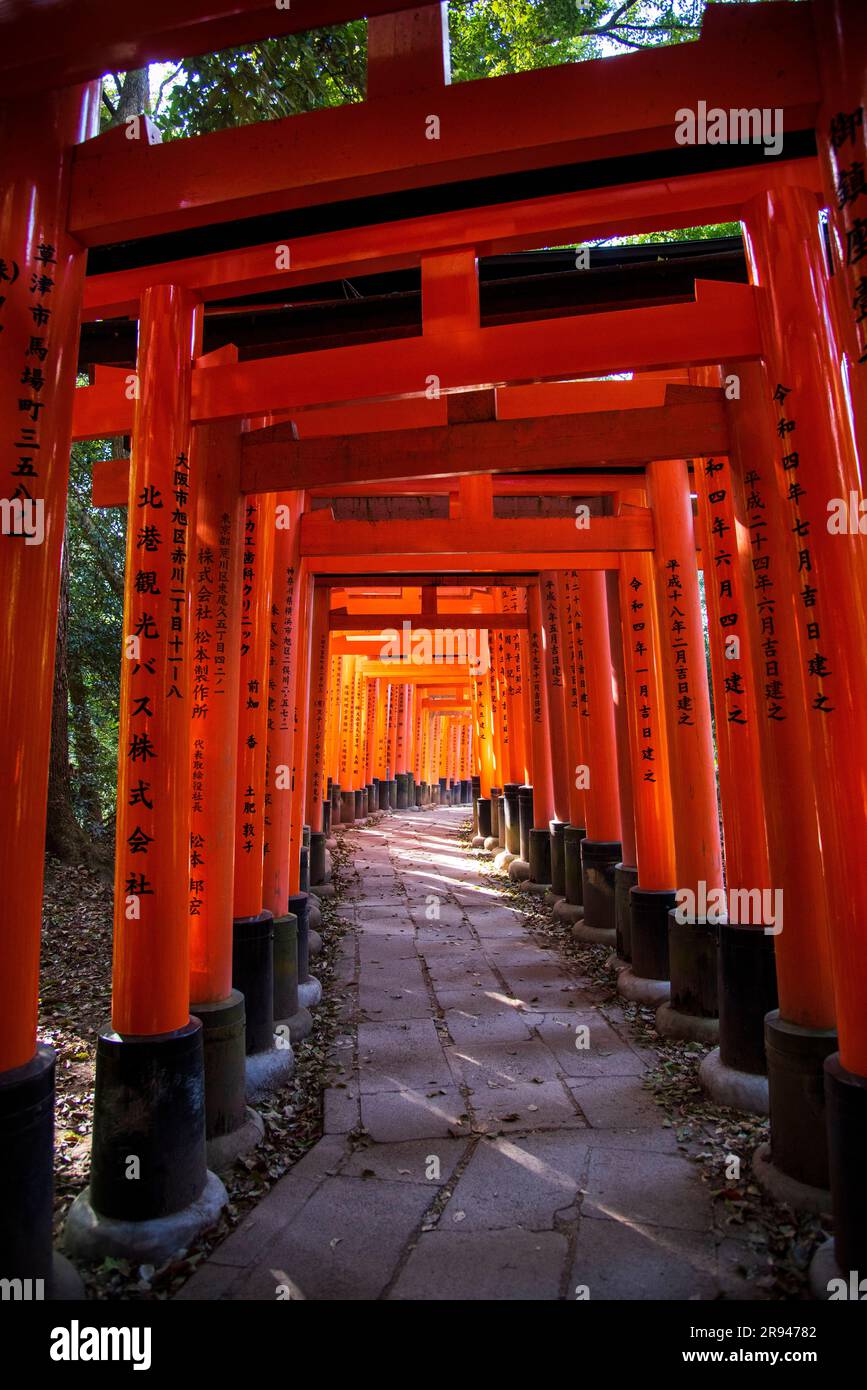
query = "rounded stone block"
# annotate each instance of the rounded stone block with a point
(673, 1023)
(91, 1236)
(639, 990)
(739, 1090)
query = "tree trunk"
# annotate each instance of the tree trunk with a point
(63, 835)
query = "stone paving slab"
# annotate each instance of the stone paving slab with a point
(471, 1150)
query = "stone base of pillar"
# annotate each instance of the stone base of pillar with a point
(360, 804)
(300, 1025)
(228, 1127)
(649, 909)
(331, 842)
(269, 1070)
(747, 992)
(477, 842)
(347, 808)
(552, 898)
(224, 1149)
(309, 992)
(525, 820)
(536, 890)
(314, 913)
(503, 859)
(511, 824)
(314, 944)
(599, 858)
(496, 793)
(491, 843)
(674, 1023)
(846, 1105)
(317, 857)
(558, 858)
(573, 886)
(519, 870)
(149, 1106)
(594, 936)
(568, 912)
(739, 1090)
(26, 1168)
(392, 794)
(372, 799)
(65, 1284)
(625, 879)
(796, 1084)
(309, 988)
(640, 990)
(483, 818)
(253, 977)
(382, 795)
(827, 1278)
(336, 803)
(801, 1196)
(91, 1236)
(540, 858)
(692, 953)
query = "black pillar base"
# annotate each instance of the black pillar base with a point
(253, 977)
(747, 992)
(540, 857)
(466, 791)
(846, 1102)
(796, 1087)
(691, 1011)
(317, 857)
(326, 818)
(649, 909)
(224, 1050)
(347, 807)
(360, 808)
(558, 858)
(525, 820)
(392, 794)
(309, 988)
(511, 817)
(625, 879)
(475, 793)
(494, 832)
(599, 859)
(336, 802)
(483, 813)
(150, 1190)
(27, 1168)
(572, 880)
(501, 822)
(401, 791)
(231, 1128)
(382, 801)
(304, 868)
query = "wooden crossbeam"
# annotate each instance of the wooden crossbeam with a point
(529, 120)
(321, 535)
(368, 622)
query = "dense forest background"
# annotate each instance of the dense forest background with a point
(264, 81)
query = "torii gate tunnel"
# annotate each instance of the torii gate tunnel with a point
(450, 550)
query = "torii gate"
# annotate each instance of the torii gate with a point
(791, 444)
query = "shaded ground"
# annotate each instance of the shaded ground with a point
(497, 1123)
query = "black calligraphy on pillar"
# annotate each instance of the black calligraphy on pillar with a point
(847, 141)
(818, 664)
(641, 655)
(724, 577)
(679, 645)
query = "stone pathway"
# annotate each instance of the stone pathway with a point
(507, 1147)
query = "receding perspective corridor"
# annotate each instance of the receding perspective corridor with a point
(487, 1132)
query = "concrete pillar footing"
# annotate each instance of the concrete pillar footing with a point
(538, 890)
(673, 1023)
(568, 912)
(823, 1269)
(67, 1285)
(325, 890)
(223, 1149)
(739, 1090)
(552, 898)
(491, 842)
(478, 842)
(503, 859)
(309, 992)
(90, 1236)
(801, 1196)
(639, 990)
(594, 936)
(300, 1025)
(314, 943)
(268, 1071)
(519, 869)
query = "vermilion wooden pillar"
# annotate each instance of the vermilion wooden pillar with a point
(555, 690)
(816, 475)
(216, 574)
(540, 739)
(626, 872)
(305, 591)
(256, 592)
(601, 849)
(698, 851)
(287, 603)
(149, 1098)
(43, 272)
(319, 658)
(575, 716)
